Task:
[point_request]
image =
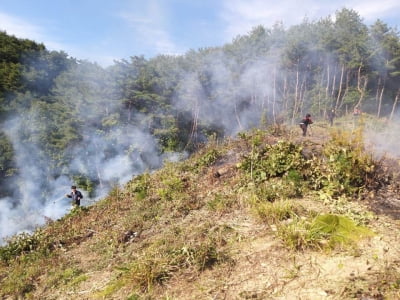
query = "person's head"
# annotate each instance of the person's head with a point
(308, 116)
(73, 188)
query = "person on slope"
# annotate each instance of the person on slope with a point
(304, 123)
(331, 116)
(75, 195)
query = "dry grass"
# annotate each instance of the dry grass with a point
(203, 229)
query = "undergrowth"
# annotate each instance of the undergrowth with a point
(273, 174)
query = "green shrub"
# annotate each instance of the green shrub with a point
(24, 243)
(209, 158)
(273, 161)
(139, 185)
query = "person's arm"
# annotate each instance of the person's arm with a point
(68, 195)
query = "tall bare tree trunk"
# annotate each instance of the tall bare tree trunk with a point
(238, 118)
(378, 90)
(361, 89)
(302, 92)
(327, 82)
(395, 104)
(340, 88)
(193, 131)
(296, 94)
(285, 96)
(382, 89)
(274, 95)
(333, 83)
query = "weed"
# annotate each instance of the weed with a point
(69, 276)
(221, 203)
(322, 232)
(113, 287)
(25, 243)
(139, 186)
(207, 159)
(273, 161)
(165, 256)
(171, 187)
(274, 212)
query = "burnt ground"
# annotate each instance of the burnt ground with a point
(385, 198)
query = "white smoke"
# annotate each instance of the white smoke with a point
(111, 159)
(239, 97)
(36, 195)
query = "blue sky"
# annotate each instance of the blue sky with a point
(107, 30)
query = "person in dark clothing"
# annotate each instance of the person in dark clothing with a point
(75, 195)
(331, 116)
(304, 123)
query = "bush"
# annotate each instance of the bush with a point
(24, 243)
(273, 161)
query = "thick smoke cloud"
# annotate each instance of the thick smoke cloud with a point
(39, 196)
(232, 103)
(109, 159)
(234, 100)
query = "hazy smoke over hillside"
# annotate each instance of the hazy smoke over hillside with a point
(126, 150)
(109, 159)
(217, 92)
(236, 101)
(40, 196)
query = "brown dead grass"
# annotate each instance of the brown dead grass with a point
(259, 265)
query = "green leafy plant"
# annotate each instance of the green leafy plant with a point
(273, 161)
(322, 232)
(25, 243)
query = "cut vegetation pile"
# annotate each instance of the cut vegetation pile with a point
(264, 216)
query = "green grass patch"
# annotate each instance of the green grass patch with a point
(322, 232)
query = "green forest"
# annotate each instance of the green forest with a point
(65, 120)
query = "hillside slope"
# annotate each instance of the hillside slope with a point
(269, 215)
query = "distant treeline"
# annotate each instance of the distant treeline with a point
(267, 75)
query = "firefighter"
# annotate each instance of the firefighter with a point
(304, 123)
(75, 195)
(331, 116)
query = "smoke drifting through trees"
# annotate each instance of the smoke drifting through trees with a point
(98, 127)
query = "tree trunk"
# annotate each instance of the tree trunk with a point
(382, 89)
(285, 96)
(302, 92)
(238, 118)
(333, 83)
(327, 83)
(340, 88)
(296, 94)
(395, 104)
(193, 131)
(274, 95)
(361, 89)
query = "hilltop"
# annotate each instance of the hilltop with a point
(266, 215)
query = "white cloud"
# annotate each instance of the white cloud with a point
(371, 10)
(23, 29)
(151, 27)
(240, 16)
